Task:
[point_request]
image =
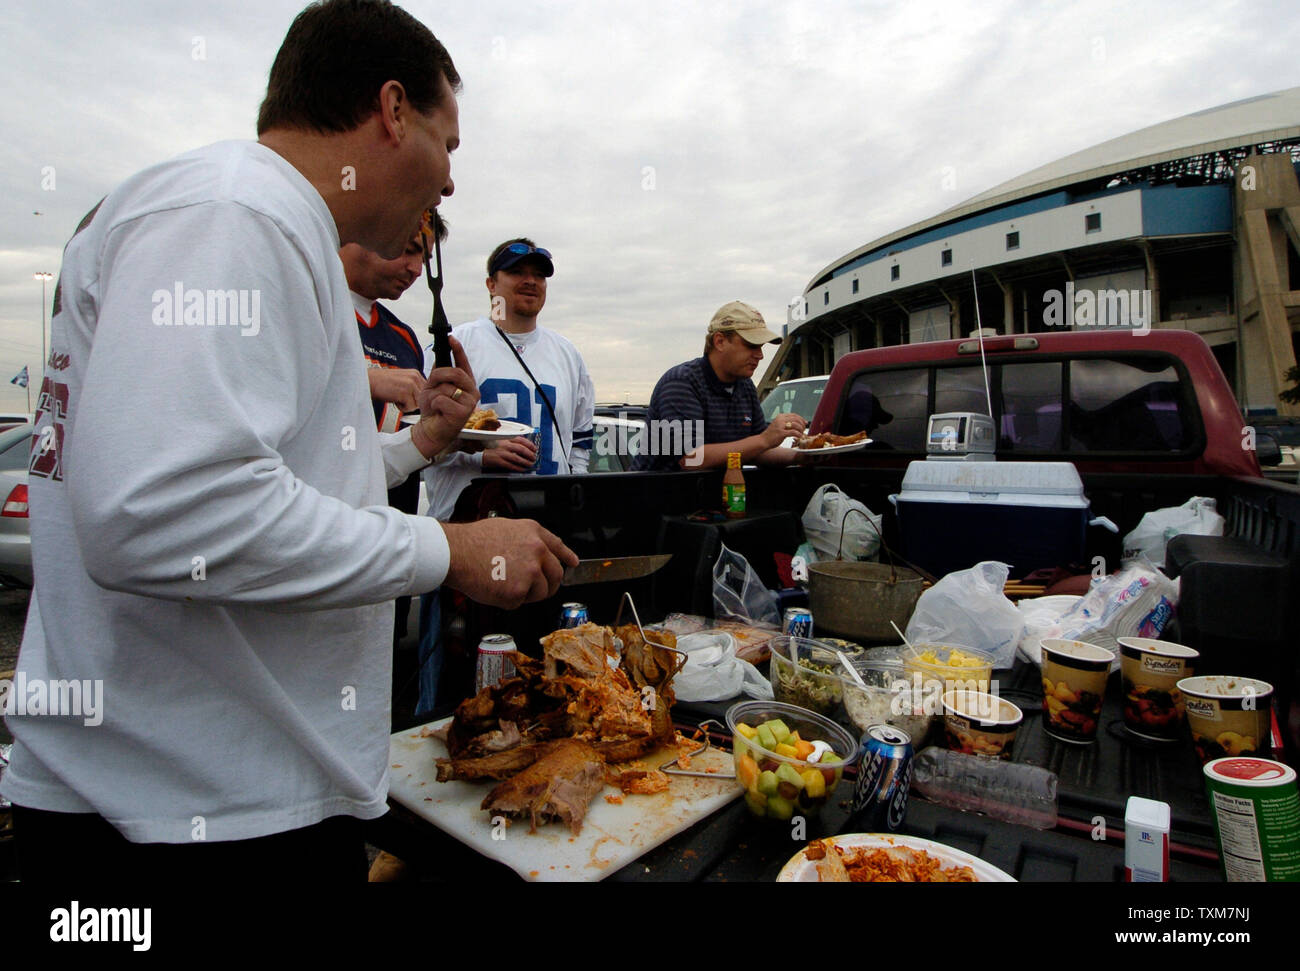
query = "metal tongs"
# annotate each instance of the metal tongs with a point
(627, 598)
(671, 768)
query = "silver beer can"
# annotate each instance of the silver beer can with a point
(494, 663)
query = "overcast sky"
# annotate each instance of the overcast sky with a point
(672, 156)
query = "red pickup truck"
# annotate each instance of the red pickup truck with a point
(1109, 401)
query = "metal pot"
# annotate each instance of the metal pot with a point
(858, 600)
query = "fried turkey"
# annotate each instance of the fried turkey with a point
(559, 785)
(574, 693)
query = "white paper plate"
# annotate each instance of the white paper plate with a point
(508, 429)
(834, 449)
(802, 870)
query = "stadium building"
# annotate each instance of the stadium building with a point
(1193, 223)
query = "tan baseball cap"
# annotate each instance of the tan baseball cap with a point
(743, 320)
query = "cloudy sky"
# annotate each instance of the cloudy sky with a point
(673, 156)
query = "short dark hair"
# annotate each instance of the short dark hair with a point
(492, 257)
(339, 53)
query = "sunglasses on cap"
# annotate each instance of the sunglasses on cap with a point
(515, 252)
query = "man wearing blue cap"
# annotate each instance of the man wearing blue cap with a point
(526, 373)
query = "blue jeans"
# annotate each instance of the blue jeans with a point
(430, 652)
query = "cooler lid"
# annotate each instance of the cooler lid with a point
(1045, 479)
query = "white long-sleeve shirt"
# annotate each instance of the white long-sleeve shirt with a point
(505, 387)
(210, 532)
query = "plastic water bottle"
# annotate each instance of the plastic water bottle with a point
(1010, 791)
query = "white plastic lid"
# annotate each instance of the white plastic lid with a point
(1147, 812)
(1037, 478)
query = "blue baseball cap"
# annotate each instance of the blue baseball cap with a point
(518, 252)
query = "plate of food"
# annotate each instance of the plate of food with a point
(485, 426)
(829, 444)
(886, 858)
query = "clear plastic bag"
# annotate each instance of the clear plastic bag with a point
(968, 608)
(713, 672)
(824, 521)
(1152, 534)
(739, 593)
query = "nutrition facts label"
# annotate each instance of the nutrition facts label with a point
(1239, 835)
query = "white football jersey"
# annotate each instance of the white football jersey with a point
(505, 387)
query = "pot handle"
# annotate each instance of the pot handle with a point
(893, 570)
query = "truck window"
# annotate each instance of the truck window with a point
(891, 406)
(960, 389)
(1031, 408)
(1126, 406)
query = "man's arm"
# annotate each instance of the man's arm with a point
(762, 448)
(397, 386)
(584, 414)
(207, 478)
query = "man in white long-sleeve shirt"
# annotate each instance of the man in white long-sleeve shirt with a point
(211, 546)
(526, 373)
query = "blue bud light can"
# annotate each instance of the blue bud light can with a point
(573, 615)
(798, 622)
(535, 436)
(884, 778)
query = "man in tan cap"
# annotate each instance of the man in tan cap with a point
(710, 404)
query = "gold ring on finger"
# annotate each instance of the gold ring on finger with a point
(455, 395)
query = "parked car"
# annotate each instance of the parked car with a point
(15, 531)
(798, 396)
(619, 437)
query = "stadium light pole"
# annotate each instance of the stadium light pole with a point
(44, 278)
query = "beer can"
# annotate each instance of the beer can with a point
(493, 663)
(798, 622)
(535, 436)
(884, 778)
(573, 615)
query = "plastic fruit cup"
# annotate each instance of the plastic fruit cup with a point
(1228, 715)
(1153, 705)
(976, 723)
(955, 665)
(769, 778)
(1074, 687)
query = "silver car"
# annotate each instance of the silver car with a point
(15, 531)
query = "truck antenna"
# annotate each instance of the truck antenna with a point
(979, 333)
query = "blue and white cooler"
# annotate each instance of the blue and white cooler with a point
(1029, 515)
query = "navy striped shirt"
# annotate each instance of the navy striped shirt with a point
(691, 392)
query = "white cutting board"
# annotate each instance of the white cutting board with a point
(612, 835)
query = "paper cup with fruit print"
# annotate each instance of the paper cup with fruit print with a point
(978, 723)
(1151, 670)
(1074, 686)
(1228, 715)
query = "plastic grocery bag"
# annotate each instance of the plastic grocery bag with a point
(1042, 617)
(712, 671)
(968, 608)
(738, 592)
(824, 518)
(1196, 516)
(1139, 601)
